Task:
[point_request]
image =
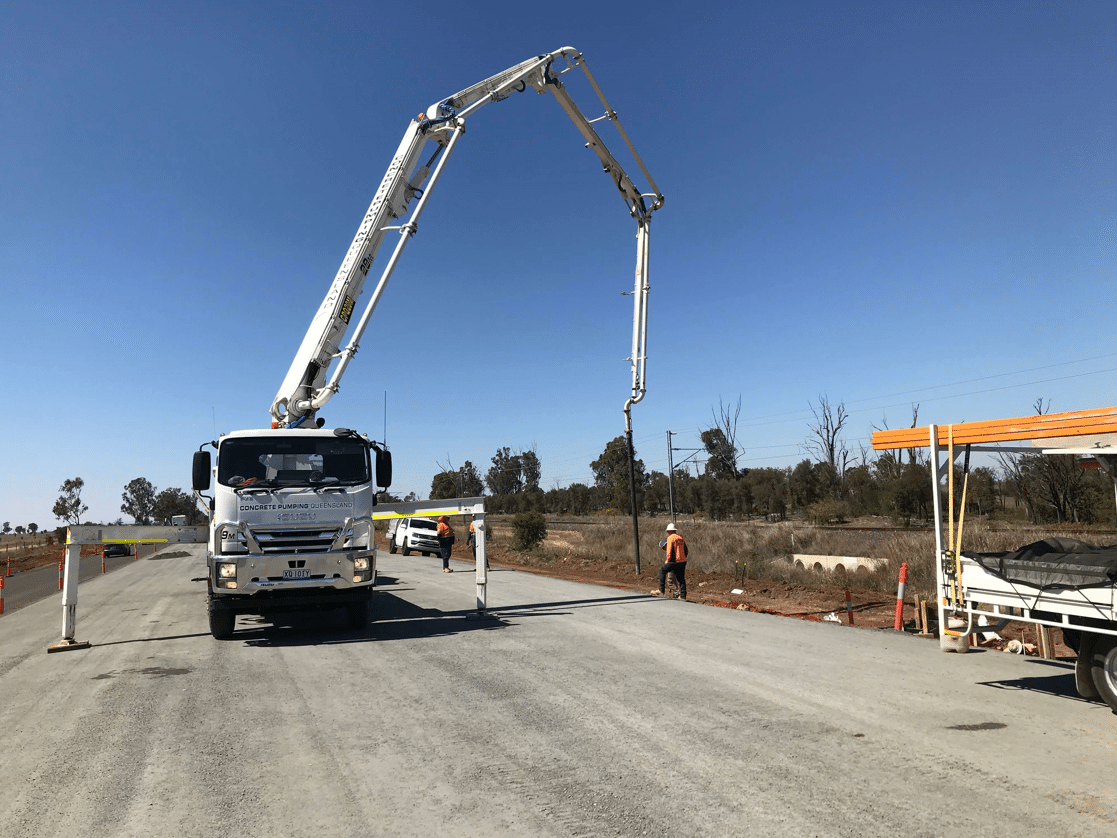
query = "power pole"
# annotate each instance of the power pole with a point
(671, 470)
(670, 478)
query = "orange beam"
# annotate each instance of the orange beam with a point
(1076, 423)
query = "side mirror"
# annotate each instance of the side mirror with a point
(383, 468)
(200, 475)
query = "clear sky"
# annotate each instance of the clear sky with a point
(885, 203)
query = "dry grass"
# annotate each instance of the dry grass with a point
(763, 551)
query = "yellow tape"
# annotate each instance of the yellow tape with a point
(384, 516)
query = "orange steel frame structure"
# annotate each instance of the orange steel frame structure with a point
(1076, 423)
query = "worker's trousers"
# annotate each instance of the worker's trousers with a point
(679, 569)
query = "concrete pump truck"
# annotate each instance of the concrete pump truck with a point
(291, 524)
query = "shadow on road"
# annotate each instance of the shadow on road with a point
(152, 639)
(398, 619)
(534, 609)
(1060, 683)
(395, 619)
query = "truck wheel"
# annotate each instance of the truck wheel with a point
(357, 613)
(392, 546)
(221, 622)
(1105, 669)
(406, 549)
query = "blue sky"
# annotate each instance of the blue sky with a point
(885, 203)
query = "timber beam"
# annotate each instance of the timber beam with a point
(1076, 423)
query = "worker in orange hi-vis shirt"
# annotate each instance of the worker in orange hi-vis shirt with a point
(675, 562)
(445, 542)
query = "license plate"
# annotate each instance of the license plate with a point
(296, 574)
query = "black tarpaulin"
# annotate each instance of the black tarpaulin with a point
(1053, 563)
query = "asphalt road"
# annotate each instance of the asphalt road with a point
(30, 586)
(571, 711)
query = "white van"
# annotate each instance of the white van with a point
(413, 535)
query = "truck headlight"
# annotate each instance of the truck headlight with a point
(360, 564)
(226, 574)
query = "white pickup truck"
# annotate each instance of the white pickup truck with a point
(413, 535)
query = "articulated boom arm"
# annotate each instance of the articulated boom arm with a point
(409, 178)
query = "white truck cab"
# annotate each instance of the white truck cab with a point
(291, 524)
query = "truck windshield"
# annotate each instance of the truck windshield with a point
(292, 461)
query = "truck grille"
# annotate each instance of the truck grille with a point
(294, 541)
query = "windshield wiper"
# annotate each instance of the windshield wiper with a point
(256, 487)
(325, 484)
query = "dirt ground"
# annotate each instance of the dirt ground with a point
(15, 560)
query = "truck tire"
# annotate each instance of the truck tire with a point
(1105, 669)
(406, 548)
(221, 621)
(392, 546)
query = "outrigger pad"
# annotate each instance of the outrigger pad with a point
(1053, 563)
(68, 646)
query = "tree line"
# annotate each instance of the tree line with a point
(832, 486)
(19, 530)
(140, 499)
(837, 484)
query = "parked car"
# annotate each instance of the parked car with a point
(407, 535)
(117, 550)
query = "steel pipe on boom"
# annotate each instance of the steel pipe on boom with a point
(306, 389)
(638, 360)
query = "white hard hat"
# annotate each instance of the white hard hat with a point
(671, 528)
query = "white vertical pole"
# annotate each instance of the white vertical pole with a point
(936, 500)
(70, 592)
(482, 570)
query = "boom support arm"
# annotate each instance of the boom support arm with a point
(306, 388)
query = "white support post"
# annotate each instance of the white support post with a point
(70, 600)
(70, 591)
(482, 562)
(947, 642)
(936, 501)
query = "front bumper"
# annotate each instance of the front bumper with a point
(308, 570)
(293, 573)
